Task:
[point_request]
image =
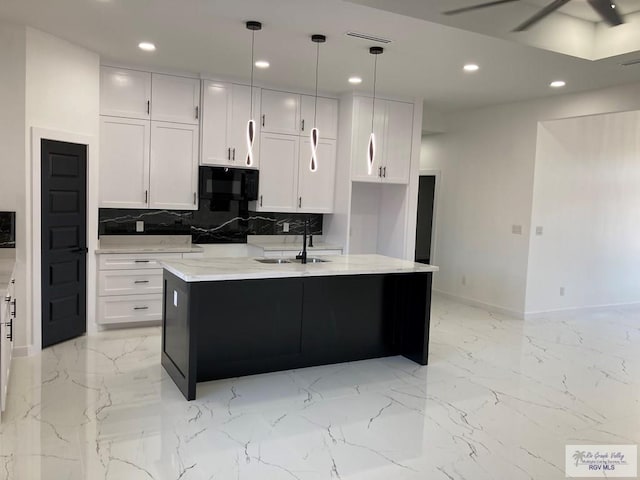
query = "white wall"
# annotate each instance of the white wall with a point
(62, 95)
(587, 199)
(12, 149)
(487, 159)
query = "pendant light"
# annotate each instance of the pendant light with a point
(371, 150)
(251, 124)
(315, 133)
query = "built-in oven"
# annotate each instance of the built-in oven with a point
(221, 183)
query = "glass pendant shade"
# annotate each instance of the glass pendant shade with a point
(253, 26)
(251, 133)
(371, 153)
(371, 148)
(314, 136)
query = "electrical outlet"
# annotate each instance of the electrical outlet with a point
(285, 227)
(516, 229)
(538, 230)
(562, 291)
(139, 226)
(464, 280)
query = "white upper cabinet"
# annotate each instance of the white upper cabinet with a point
(216, 108)
(326, 116)
(124, 162)
(393, 128)
(125, 93)
(398, 139)
(226, 110)
(173, 166)
(280, 112)
(278, 173)
(316, 189)
(175, 99)
(362, 112)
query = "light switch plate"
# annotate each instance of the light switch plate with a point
(175, 298)
(139, 226)
(538, 230)
(516, 229)
(285, 227)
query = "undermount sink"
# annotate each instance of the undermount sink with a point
(309, 260)
(273, 260)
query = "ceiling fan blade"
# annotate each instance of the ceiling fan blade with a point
(477, 7)
(605, 10)
(549, 9)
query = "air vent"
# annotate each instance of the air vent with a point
(366, 36)
(632, 62)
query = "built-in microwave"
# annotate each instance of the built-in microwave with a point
(223, 183)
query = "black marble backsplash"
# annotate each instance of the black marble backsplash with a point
(229, 222)
(7, 230)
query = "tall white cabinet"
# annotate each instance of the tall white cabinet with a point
(149, 140)
(286, 181)
(393, 128)
(373, 212)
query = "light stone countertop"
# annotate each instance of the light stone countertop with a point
(244, 268)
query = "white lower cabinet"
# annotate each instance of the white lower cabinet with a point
(130, 287)
(130, 309)
(7, 317)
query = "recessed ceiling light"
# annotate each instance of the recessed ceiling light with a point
(355, 80)
(557, 84)
(471, 67)
(262, 64)
(147, 46)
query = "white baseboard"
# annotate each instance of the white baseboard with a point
(21, 351)
(476, 303)
(589, 309)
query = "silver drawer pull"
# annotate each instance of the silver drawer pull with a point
(142, 261)
(141, 308)
(141, 281)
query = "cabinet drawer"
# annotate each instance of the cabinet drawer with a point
(123, 261)
(129, 282)
(129, 309)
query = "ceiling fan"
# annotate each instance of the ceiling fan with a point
(605, 8)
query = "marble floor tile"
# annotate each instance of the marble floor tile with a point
(499, 399)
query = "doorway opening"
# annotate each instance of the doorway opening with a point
(425, 221)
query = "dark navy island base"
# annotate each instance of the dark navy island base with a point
(222, 329)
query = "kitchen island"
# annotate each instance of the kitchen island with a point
(228, 317)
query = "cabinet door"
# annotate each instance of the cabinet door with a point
(216, 113)
(5, 352)
(362, 112)
(238, 120)
(124, 162)
(174, 166)
(278, 173)
(327, 116)
(124, 93)
(316, 189)
(280, 112)
(175, 99)
(399, 135)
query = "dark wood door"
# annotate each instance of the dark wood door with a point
(64, 241)
(424, 226)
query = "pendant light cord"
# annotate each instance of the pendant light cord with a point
(375, 77)
(315, 107)
(253, 40)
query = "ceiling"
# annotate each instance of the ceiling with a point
(425, 58)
